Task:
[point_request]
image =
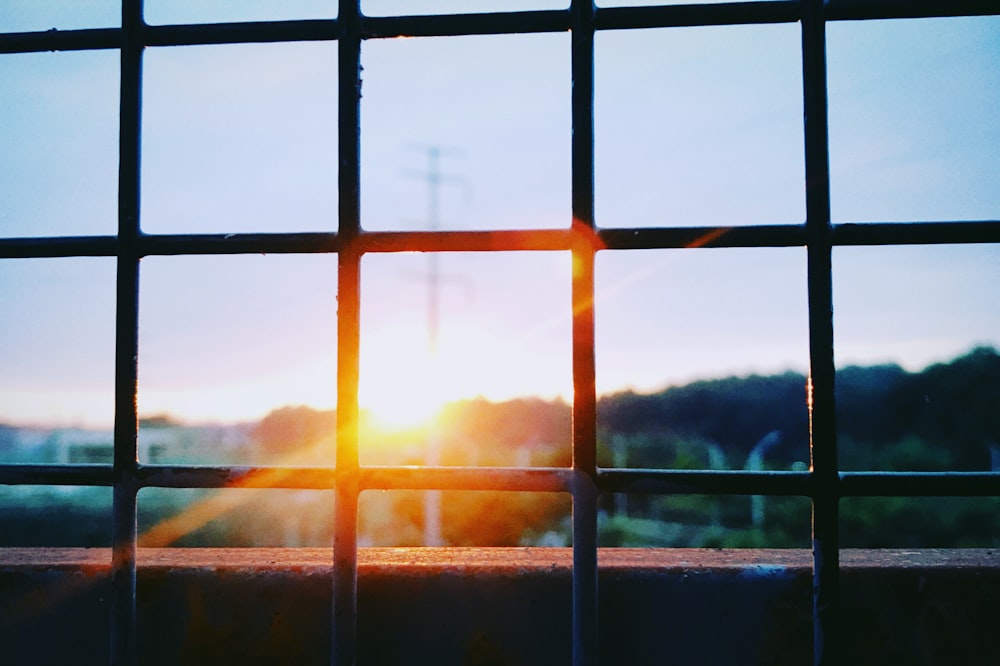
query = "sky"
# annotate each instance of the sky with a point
(693, 127)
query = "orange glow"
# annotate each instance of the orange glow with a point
(219, 504)
(404, 384)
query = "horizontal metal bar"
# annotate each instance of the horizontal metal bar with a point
(886, 9)
(919, 484)
(882, 233)
(60, 40)
(609, 18)
(184, 476)
(237, 243)
(646, 481)
(671, 16)
(696, 482)
(540, 479)
(56, 475)
(917, 233)
(58, 246)
(758, 236)
(465, 241)
(241, 33)
(465, 24)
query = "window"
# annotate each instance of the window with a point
(573, 116)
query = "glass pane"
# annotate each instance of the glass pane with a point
(920, 522)
(701, 358)
(698, 126)
(57, 344)
(55, 516)
(240, 138)
(913, 122)
(39, 15)
(464, 518)
(225, 341)
(405, 7)
(703, 521)
(485, 139)
(918, 330)
(444, 335)
(59, 144)
(235, 517)
(160, 12)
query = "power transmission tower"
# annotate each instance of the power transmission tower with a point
(432, 456)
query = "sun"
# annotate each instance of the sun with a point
(403, 401)
(405, 382)
(401, 384)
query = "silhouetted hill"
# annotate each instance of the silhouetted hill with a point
(949, 411)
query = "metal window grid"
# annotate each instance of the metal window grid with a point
(824, 483)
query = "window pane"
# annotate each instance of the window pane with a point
(39, 15)
(920, 522)
(470, 327)
(919, 375)
(228, 340)
(55, 516)
(235, 517)
(701, 356)
(59, 144)
(240, 138)
(198, 11)
(465, 518)
(57, 344)
(500, 164)
(913, 122)
(703, 521)
(698, 126)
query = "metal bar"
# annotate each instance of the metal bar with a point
(467, 478)
(247, 243)
(453, 25)
(465, 241)
(917, 233)
(20, 474)
(124, 529)
(692, 482)
(687, 237)
(251, 32)
(626, 238)
(895, 9)
(190, 476)
(69, 246)
(60, 40)
(672, 16)
(822, 418)
(609, 18)
(919, 484)
(344, 634)
(585, 593)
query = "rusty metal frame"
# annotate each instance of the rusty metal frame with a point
(824, 484)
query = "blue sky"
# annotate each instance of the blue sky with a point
(694, 126)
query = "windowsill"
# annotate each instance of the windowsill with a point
(427, 561)
(511, 605)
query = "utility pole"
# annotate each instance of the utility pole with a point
(432, 455)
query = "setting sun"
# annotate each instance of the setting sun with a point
(404, 385)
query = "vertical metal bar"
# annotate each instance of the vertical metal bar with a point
(585, 601)
(123, 526)
(823, 435)
(343, 650)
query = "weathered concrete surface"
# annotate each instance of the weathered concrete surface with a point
(502, 606)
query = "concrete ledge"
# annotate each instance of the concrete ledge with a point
(486, 606)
